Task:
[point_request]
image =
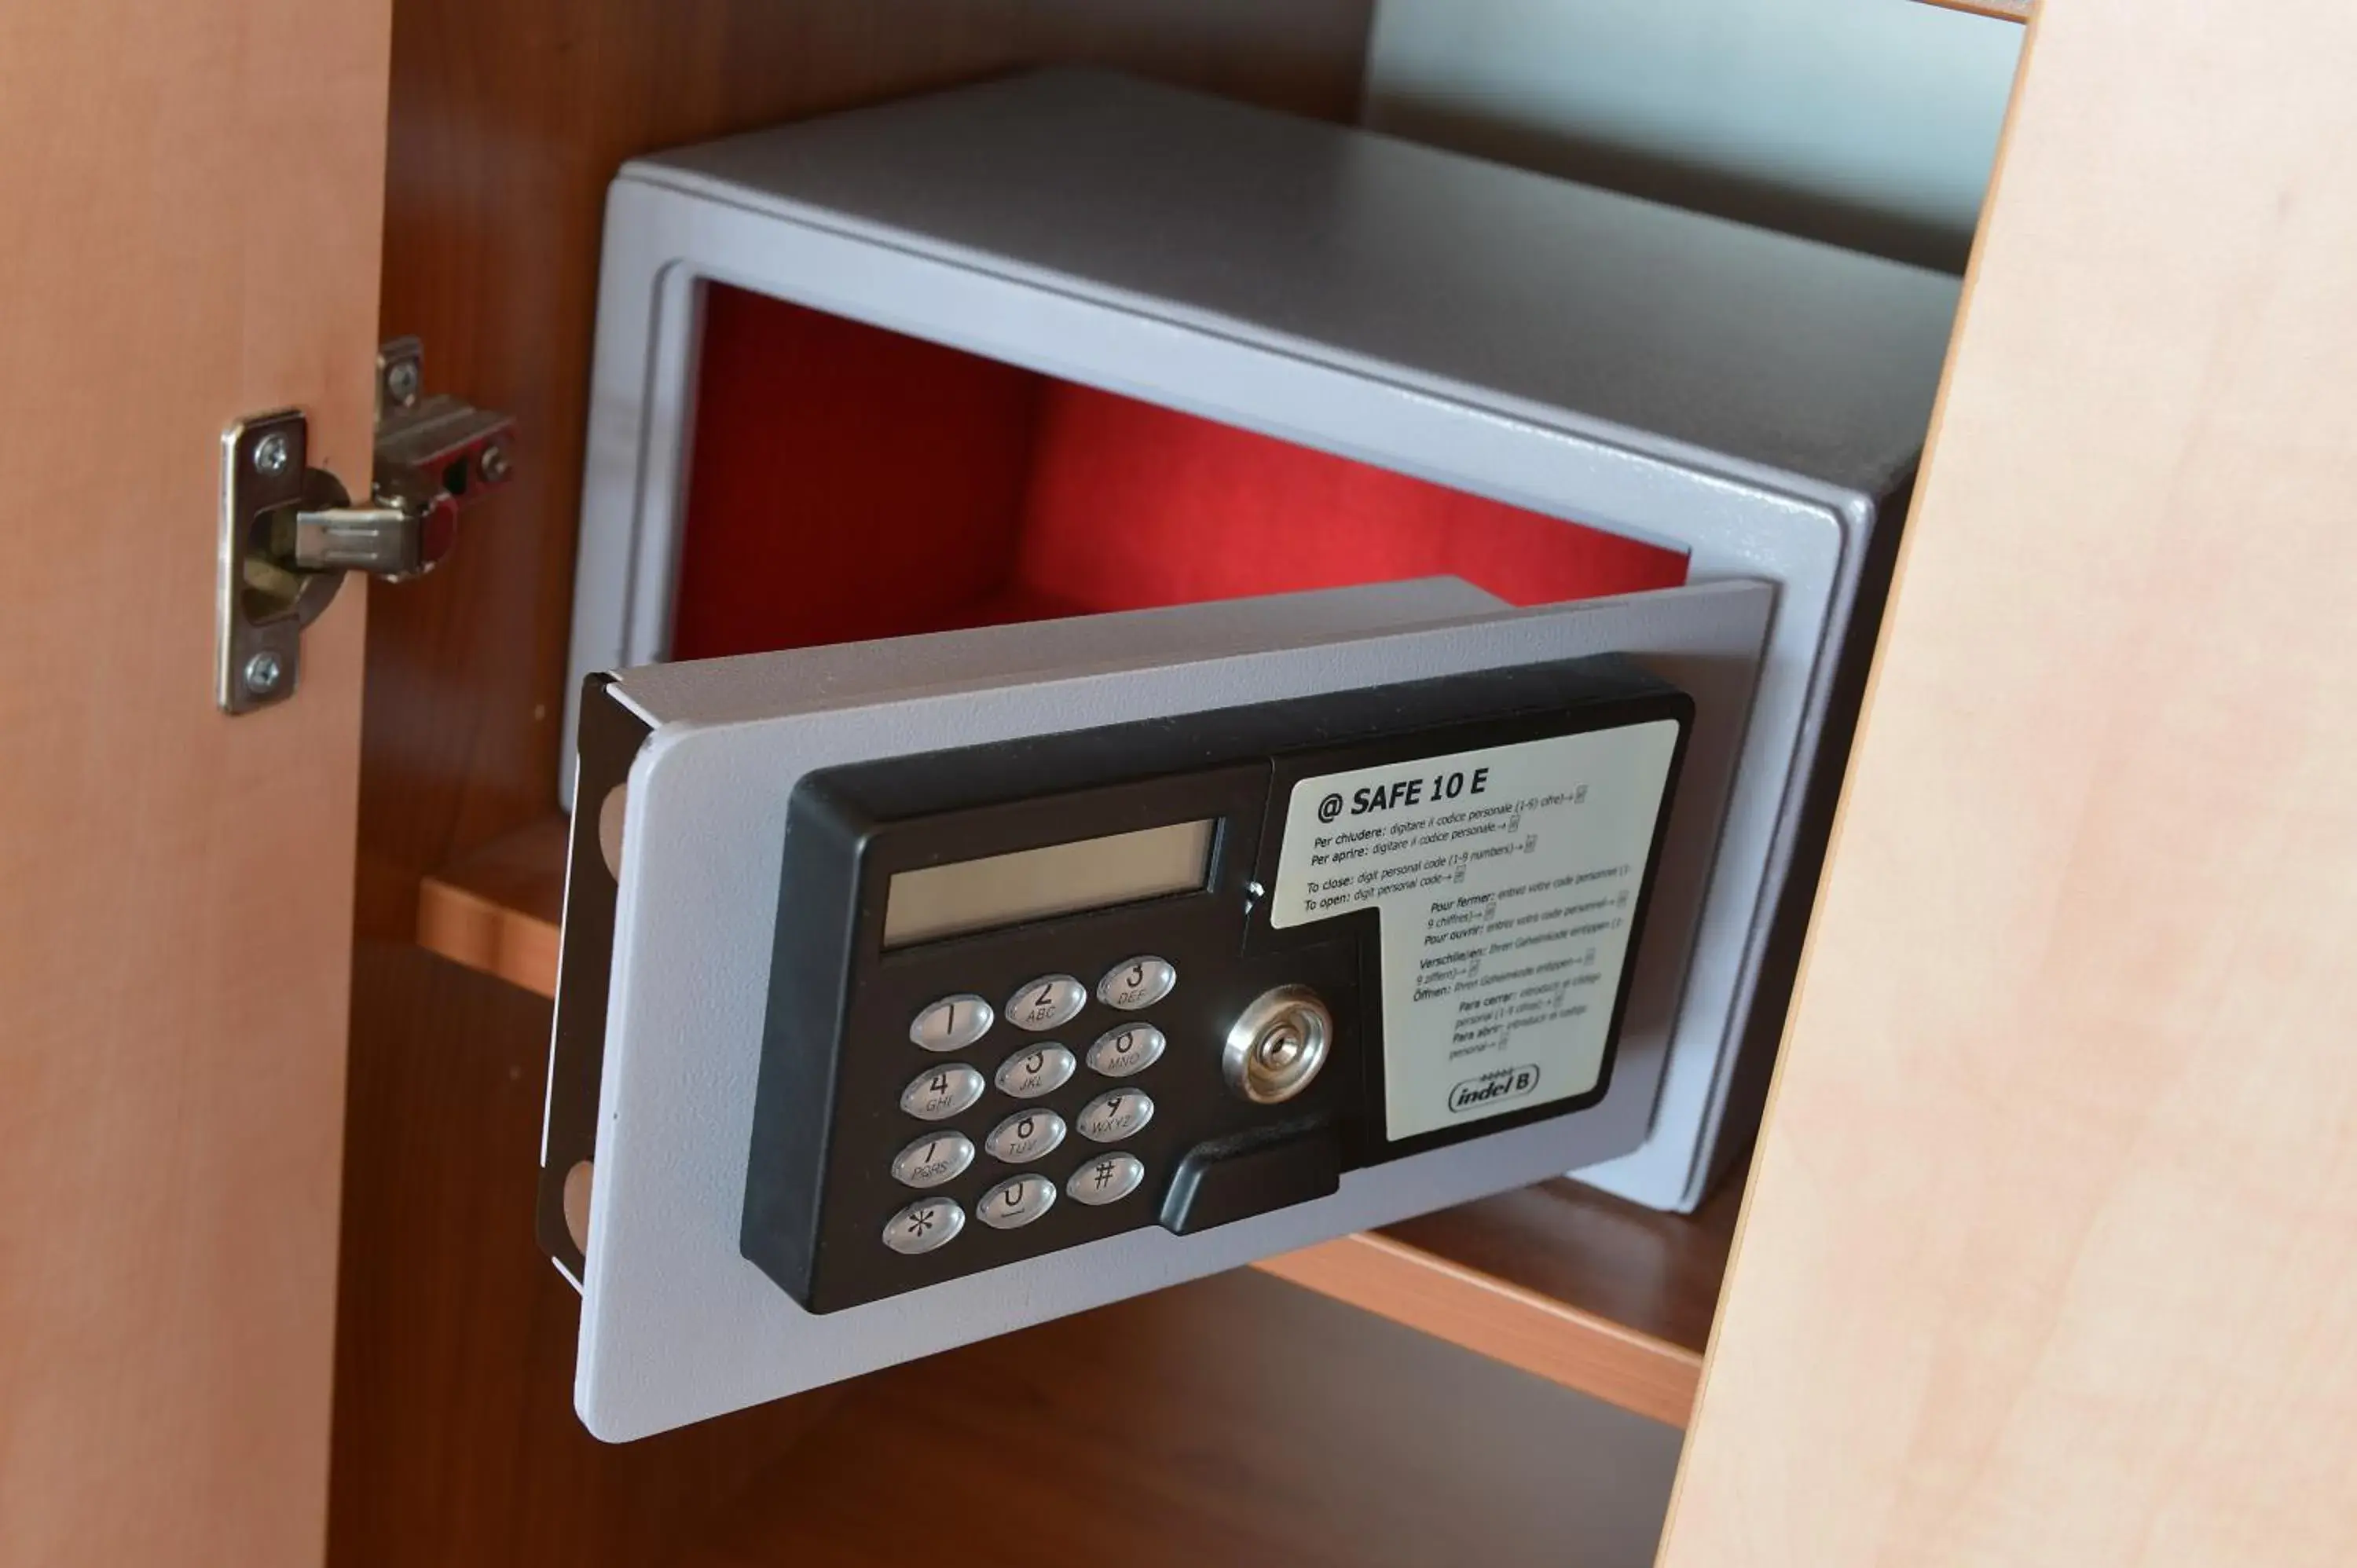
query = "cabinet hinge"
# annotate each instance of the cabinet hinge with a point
(290, 531)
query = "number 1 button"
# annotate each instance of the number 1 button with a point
(952, 1023)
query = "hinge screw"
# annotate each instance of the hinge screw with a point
(272, 454)
(401, 382)
(263, 673)
(493, 463)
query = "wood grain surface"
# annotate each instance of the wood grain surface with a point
(2051, 1256)
(192, 197)
(456, 1443)
(1231, 1421)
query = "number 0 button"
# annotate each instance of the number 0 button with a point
(1018, 1200)
(1109, 1118)
(952, 1023)
(942, 1093)
(1047, 1003)
(1136, 982)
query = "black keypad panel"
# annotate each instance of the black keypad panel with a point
(1034, 1053)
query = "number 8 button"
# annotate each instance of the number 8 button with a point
(1136, 983)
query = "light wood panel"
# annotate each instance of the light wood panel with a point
(2051, 1252)
(1558, 1280)
(193, 194)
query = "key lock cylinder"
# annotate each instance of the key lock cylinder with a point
(1276, 1044)
(289, 531)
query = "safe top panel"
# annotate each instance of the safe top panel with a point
(1506, 286)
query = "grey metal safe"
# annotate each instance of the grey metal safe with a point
(1156, 683)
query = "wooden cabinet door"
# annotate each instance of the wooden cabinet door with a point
(193, 190)
(2050, 1249)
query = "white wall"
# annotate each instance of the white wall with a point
(1869, 123)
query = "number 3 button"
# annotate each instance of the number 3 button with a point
(1136, 982)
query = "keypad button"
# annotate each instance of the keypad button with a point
(1027, 1075)
(1136, 982)
(1108, 1179)
(934, 1159)
(1133, 1048)
(953, 1023)
(939, 1093)
(1018, 1200)
(1114, 1115)
(928, 1223)
(1047, 1002)
(1025, 1136)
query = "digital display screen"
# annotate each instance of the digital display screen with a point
(1055, 879)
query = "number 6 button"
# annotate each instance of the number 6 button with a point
(1131, 1048)
(1136, 982)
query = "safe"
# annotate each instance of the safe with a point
(1156, 683)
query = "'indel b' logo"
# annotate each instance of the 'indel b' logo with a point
(1503, 1084)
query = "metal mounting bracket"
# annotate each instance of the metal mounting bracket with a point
(289, 531)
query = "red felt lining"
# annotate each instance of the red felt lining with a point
(848, 482)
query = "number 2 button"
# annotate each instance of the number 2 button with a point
(1047, 1003)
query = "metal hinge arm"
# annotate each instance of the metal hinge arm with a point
(290, 531)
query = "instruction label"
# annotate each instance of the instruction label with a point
(1506, 880)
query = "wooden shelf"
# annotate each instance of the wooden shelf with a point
(1558, 1280)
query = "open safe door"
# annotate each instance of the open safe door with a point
(916, 991)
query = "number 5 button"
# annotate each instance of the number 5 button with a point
(1136, 982)
(1027, 1075)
